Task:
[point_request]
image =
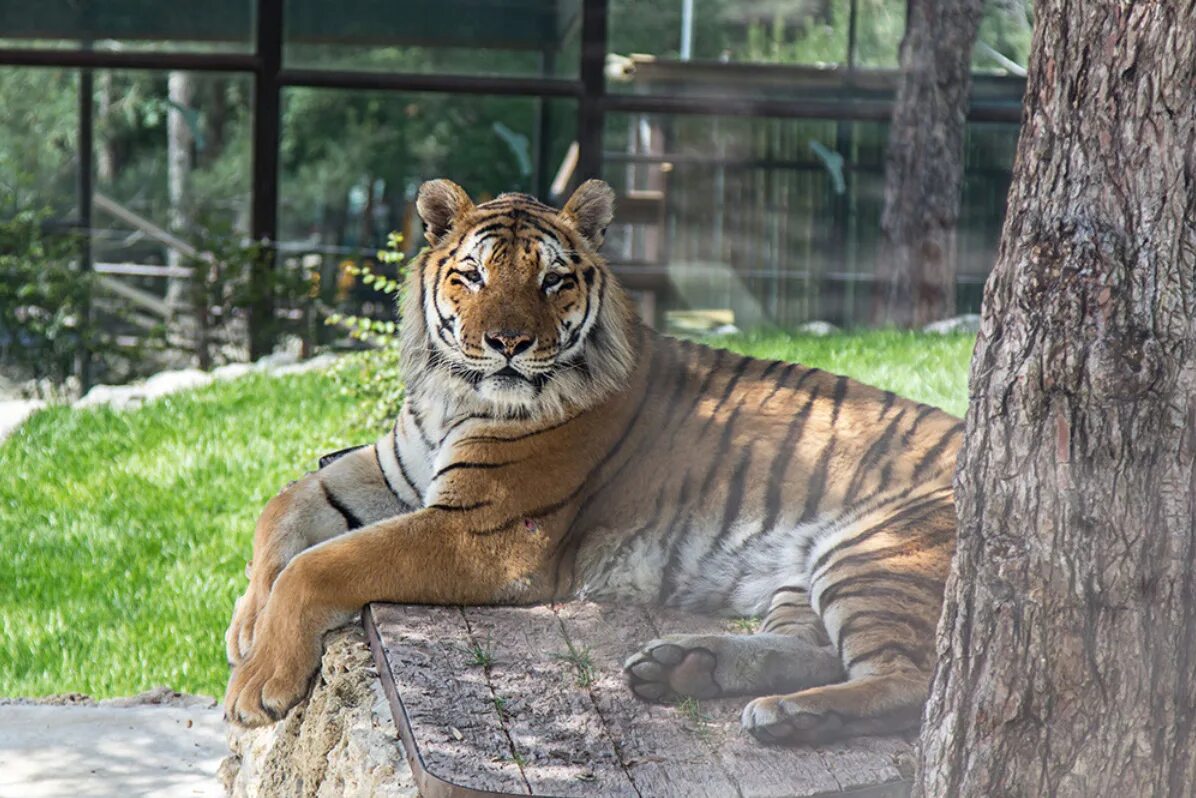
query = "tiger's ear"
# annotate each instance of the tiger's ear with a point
(440, 204)
(591, 208)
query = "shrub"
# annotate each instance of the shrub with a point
(373, 378)
(42, 298)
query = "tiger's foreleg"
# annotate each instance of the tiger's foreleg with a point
(437, 555)
(348, 493)
(789, 652)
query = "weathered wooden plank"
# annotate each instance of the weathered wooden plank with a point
(663, 754)
(446, 698)
(543, 687)
(568, 726)
(758, 771)
(768, 772)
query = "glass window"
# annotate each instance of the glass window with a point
(172, 149)
(215, 25)
(352, 163)
(38, 132)
(758, 31)
(1003, 43)
(773, 221)
(520, 37)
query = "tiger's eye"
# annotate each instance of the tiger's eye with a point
(551, 279)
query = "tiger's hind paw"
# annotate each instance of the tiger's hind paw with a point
(786, 720)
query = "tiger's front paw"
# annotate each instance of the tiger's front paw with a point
(274, 677)
(263, 689)
(238, 639)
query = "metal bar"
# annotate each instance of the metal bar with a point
(448, 84)
(852, 14)
(145, 299)
(85, 149)
(543, 129)
(143, 270)
(591, 115)
(807, 108)
(697, 160)
(267, 124)
(687, 29)
(111, 206)
(106, 59)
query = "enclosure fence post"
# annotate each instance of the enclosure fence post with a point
(267, 101)
(590, 114)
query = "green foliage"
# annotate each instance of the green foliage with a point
(223, 286)
(373, 379)
(37, 139)
(698, 721)
(581, 661)
(42, 297)
(481, 655)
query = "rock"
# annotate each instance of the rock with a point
(317, 362)
(161, 696)
(122, 397)
(818, 328)
(55, 700)
(967, 323)
(232, 371)
(341, 742)
(14, 412)
(276, 360)
(287, 353)
(724, 329)
(118, 397)
(168, 382)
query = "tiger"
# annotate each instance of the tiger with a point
(552, 446)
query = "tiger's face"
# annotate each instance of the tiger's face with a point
(517, 306)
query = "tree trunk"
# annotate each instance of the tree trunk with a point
(1068, 642)
(180, 161)
(915, 269)
(106, 158)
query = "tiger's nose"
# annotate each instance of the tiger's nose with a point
(508, 342)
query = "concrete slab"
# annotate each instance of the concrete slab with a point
(110, 751)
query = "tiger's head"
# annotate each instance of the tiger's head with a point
(512, 310)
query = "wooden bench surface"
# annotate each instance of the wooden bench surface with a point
(531, 701)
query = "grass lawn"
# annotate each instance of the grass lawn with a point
(124, 535)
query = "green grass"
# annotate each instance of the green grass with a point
(125, 535)
(928, 368)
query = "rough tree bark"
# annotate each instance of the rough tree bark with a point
(915, 269)
(1068, 641)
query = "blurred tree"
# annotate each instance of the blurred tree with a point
(1069, 630)
(181, 128)
(915, 270)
